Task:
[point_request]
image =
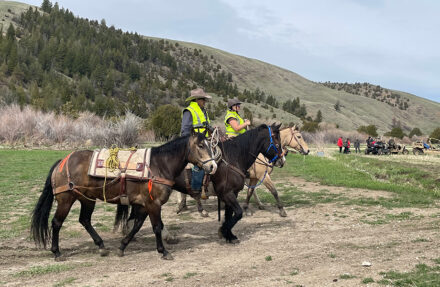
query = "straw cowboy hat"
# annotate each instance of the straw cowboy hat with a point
(198, 94)
(233, 102)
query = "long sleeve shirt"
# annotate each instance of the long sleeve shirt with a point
(187, 123)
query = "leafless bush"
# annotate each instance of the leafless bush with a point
(318, 140)
(31, 127)
(330, 136)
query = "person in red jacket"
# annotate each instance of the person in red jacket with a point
(340, 144)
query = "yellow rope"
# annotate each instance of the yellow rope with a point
(112, 163)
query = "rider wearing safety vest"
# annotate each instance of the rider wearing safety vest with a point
(195, 117)
(235, 125)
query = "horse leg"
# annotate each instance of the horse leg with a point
(271, 186)
(65, 202)
(250, 191)
(259, 203)
(139, 214)
(182, 205)
(85, 216)
(166, 234)
(200, 209)
(157, 224)
(233, 213)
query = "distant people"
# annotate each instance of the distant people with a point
(357, 145)
(340, 144)
(370, 142)
(347, 146)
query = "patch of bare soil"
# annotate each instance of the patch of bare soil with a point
(312, 246)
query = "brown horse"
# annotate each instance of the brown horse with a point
(260, 171)
(69, 181)
(238, 154)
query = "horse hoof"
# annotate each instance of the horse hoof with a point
(103, 252)
(204, 213)
(249, 212)
(121, 253)
(172, 240)
(60, 258)
(283, 213)
(261, 207)
(234, 241)
(167, 256)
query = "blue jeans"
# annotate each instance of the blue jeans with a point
(197, 175)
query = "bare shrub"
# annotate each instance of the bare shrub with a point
(330, 136)
(32, 127)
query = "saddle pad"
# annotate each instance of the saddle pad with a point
(134, 164)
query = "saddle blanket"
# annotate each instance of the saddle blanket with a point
(133, 163)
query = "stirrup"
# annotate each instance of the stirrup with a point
(204, 195)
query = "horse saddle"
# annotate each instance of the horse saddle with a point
(133, 164)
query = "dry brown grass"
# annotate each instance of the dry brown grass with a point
(30, 127)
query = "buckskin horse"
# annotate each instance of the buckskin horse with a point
(146, 197)
(238, 154)
(260, 172)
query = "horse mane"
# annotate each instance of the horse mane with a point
(244, 140)
(171, 147)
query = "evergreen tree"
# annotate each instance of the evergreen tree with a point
(435, 133)
(415, 131)
(337, 106)
(46, 6)
(318, 118)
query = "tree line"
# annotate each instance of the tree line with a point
(55, 61)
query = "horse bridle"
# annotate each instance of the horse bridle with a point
(272, 145)
(292, 133)
(202, 163)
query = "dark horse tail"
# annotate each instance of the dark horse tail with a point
(121, 218)
(40, 214)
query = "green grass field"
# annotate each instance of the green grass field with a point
(410, 183)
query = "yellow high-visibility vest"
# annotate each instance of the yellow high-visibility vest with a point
(198, 118)
(229, 130)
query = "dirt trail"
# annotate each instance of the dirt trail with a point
(312, 246)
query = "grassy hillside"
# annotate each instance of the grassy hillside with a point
(9, 10)
(356, 110)
(160, 72)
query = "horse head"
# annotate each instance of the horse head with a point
(200, 153)
(273, 150)
(296, 141)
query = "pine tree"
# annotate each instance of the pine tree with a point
(318, 117)
(46, 6)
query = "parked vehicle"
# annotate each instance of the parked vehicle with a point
(428, 147)
(396, 148)
(378, 147)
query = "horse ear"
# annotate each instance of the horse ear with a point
(276, 127)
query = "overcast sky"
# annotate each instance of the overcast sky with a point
(394, 43)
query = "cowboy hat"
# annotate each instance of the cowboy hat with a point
(233, 102)
(198, 94)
